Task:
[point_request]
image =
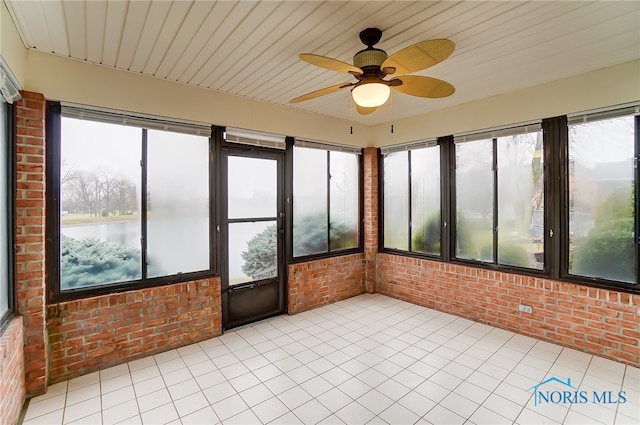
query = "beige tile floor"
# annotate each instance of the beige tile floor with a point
(369, 359)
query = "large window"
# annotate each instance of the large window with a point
(499, 196)
(411, 192)
(326, 200)
(557, 198)
(6, 238)
(134, 202)
(602, 186)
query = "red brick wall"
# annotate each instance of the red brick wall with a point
(370, 216)
(30, 222)
(598, 321)
(12, 388)
(321, 282)
(95, 333)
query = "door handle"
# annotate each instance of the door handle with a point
(242, 287)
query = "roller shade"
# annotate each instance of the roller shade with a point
(409, 146)
(603, 114)
(313, 144)
(254, 138)
(525, 128)
(134, 120)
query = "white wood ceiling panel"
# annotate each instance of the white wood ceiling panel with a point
(183, 37)
(57, 26)
(158, 12)
(96, 12)
(259, 23)
(250, 48)
(273, 46)
(114, 25)
(233, 19)
(168, 29)
(76, 34)
(135, 20)
(194, 56)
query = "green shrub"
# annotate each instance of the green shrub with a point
(608, 249)
(427, 238)
(260, 258)
(310, 235)
(91, 262)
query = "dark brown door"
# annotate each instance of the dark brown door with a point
(253, 283)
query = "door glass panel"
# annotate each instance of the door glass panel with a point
(253, 251)
(252, 187)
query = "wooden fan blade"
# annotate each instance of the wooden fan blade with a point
(365, 111)
(416, 85)
(419, 56)
(329, 63)
(321, 92)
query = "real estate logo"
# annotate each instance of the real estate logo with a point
(571, 395)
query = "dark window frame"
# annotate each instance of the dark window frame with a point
(562, 268)
(556, 212)
(10, 135)
(289, 181)
(442, 144)
(52, 238)
(494, 263)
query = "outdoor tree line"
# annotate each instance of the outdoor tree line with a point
(97, 193)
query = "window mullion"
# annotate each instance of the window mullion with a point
(409, 209)
(637, 195)
(328, 201)
(143, 206)
(494, 167)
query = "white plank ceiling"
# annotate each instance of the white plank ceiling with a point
(250, 48)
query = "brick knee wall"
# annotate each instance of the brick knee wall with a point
(319, 282)
(96, 333)
(12, 383)
(598, 321)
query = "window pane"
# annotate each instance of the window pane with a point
(309, 201)
(252, 187)
(601, 184)
(396, 201)
(4, 210)
(474, 200)
(253, 251)
(99, 201)
(520, 201)
(343, 200)
(425, 200)
(177, 203)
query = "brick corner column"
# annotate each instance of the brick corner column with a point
(30, 236)
(370, 217)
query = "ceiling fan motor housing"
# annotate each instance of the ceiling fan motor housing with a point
(369, 57)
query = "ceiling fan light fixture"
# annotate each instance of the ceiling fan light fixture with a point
(371, 95)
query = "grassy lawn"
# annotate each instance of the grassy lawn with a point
(86, 218)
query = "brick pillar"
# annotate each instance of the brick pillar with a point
(30, 236)
(370, 216)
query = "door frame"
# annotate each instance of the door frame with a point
(232, 149)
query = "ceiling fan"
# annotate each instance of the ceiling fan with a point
(372, 65)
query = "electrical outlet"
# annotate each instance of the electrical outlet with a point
(525, 308)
